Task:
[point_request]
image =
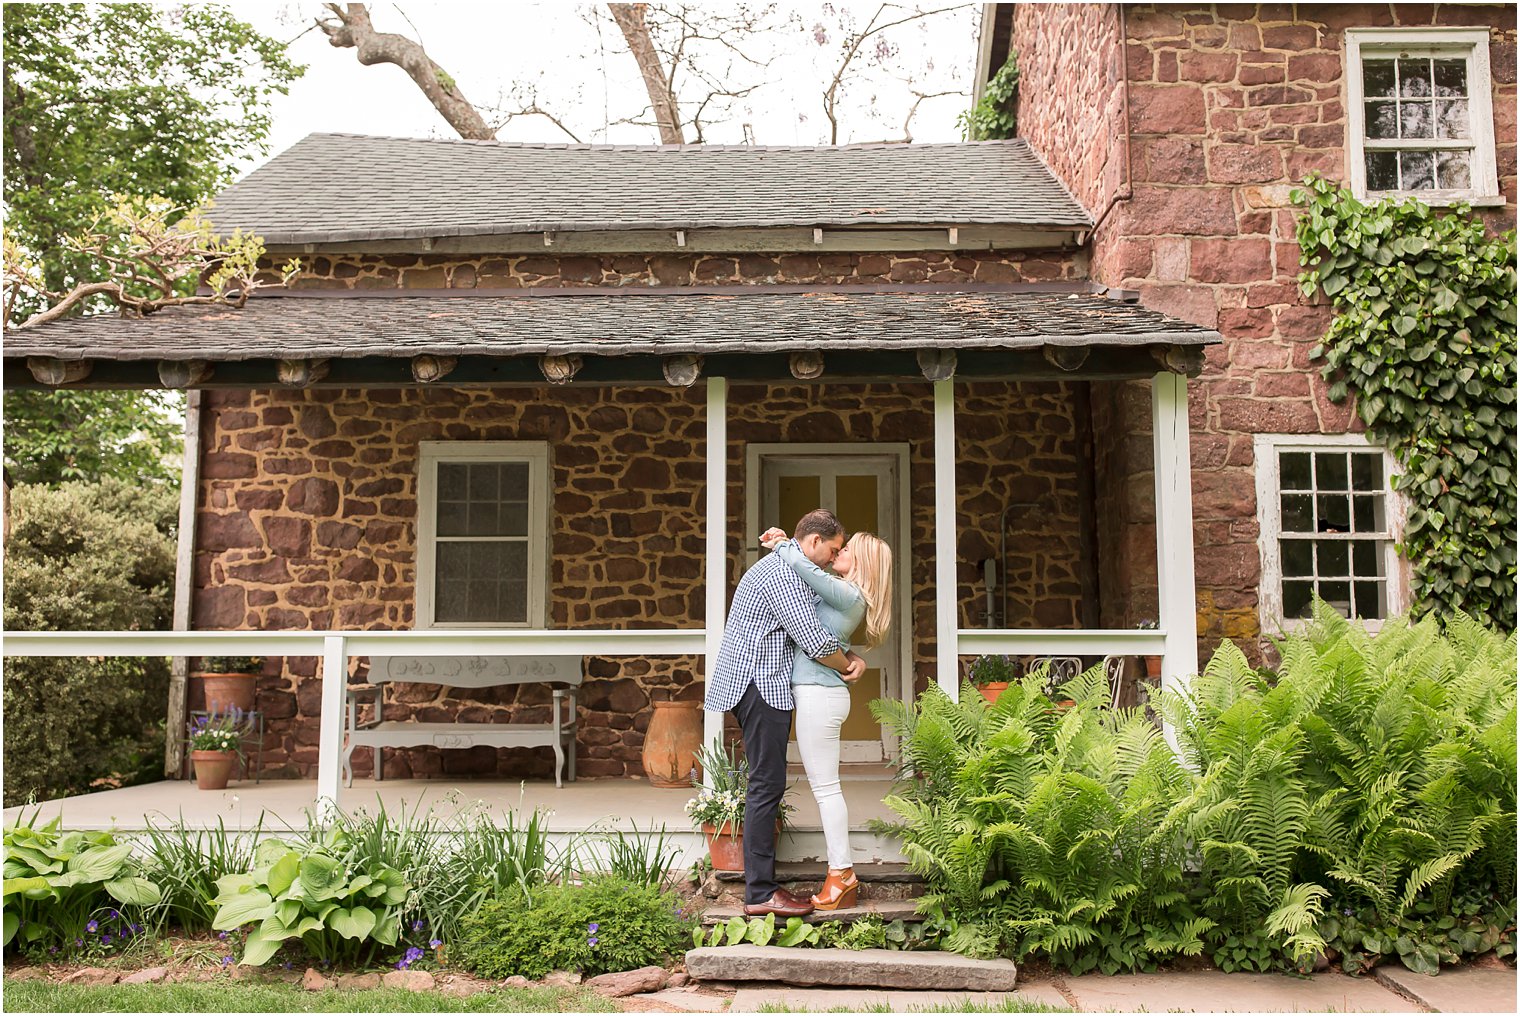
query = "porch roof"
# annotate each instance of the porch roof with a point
(742, 322)
(332, 188)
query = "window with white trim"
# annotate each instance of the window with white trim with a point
(1420, 115)
(482, 534)
(1329, 524)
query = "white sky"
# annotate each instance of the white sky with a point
(587, 77)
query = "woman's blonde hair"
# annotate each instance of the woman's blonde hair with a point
(873, 575)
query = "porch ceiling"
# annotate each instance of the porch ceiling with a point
(1014, 331)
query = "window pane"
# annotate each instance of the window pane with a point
(1377, 77)
(451, 518)
(451, 480)
(1330, 471)
(449, 600)
(1414, 122)
(1338, 595)
(514, 481)
(1451, 77)
(1369, 600)
(1383, 171)
(1382, 120)
(484, 481)
(1417, 170)
(1451, 119)
(1297, 557)
(1364, 559)
(1367, 517)
(1334, 513)
(481, 581)
(483, 519)
(1334, 557)
(513, 518)
(514, 601)
(1366, 471)
(1297, 513)
(1414, 76)
(1452, 172)
(1293, 468)
(1297, 599)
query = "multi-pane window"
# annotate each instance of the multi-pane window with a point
(1328, 530)
(481, 545)
(1421, 120)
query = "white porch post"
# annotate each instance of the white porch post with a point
(717, 539)
(330, 737)
(947, 666)
(1177, 602)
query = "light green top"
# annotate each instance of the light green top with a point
(841, 608)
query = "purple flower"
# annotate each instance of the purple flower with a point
(226, 960)
(79, 943)
(105, 940)
(137, 929)
(435, 943)
(593, 927)
(286, 964)
(222, 935)
(417, 924)
(92, 927)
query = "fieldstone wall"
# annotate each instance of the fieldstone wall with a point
(307, 520)
(436, 271)
(1230, 106)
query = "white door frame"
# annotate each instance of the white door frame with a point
(898, 685)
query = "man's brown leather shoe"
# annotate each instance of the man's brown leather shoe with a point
(782, 904)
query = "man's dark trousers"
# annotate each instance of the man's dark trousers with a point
(766, 730)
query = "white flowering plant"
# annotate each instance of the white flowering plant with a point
(218, 731)
(721, 803)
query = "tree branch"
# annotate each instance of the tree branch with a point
(831, 94)
(630, 20)
(352, 29)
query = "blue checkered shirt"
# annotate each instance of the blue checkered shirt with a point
(773, 613)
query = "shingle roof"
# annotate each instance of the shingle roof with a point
(736, 320)
(331, 188)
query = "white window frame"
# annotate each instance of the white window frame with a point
(1269, 515)
(1468, 43)
(536, 455)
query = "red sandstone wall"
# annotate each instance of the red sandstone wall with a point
(1230, 106)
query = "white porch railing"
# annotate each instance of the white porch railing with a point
(336, 648)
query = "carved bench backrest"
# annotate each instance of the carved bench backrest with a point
(477, 671)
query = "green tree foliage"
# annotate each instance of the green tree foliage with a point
(55, 436)
(103, 100)
(84, 557)
(1362, 798)
(995, 117)
(1424, 337)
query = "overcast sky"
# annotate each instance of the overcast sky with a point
(575, 59)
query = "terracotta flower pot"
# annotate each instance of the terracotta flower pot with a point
(991, 690)
(212, 768)
(224, 692)
(672, 742)
(1153, 667)
(727, 848)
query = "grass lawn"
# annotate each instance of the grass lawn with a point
(231, 996)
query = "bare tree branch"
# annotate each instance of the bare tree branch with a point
(351, 28)
(919, 97)
(852, 48)
(657, 82)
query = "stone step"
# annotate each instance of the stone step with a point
(875, 968)
(814, 871)
(887, 910)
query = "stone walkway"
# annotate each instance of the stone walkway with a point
(1480, 989)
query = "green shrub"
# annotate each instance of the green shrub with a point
(186, 864)
(86, 557)
(995, 117)
(340, 912)
(1362, 798)
(71, 892)
(606, 924)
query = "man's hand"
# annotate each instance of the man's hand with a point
(856, 668)
(772, 536)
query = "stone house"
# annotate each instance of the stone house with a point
(495, 396)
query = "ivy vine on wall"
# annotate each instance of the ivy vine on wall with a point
(995, 116)
(1424, 338)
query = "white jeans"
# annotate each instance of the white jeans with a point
(820, 713)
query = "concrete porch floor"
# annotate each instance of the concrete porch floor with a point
(574, 809)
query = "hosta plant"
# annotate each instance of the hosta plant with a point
(337, 910)
(66, 891)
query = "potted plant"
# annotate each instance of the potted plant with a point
(215, 744)
(719, 809)
(229, 681)
(991, 674)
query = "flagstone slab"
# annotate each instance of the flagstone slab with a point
(1456, 989)
(1216, 991)
(870, 968)
(750, 999)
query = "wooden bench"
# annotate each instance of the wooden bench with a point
(466, 672)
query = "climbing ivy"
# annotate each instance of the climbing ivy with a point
(1424, 338)
(993, 118)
